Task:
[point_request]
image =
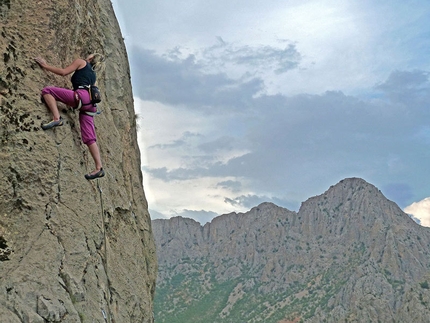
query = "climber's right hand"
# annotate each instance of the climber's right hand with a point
(40, 61)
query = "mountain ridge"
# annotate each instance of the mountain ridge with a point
(348, 254)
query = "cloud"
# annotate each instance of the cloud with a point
(220, 143)
(249, 201)
(421, 211)
(157, 215)
(404, 86)
(254, 58)
(239, 106)
(233, 186)
(303, 143)
(212, 82)
(186, 137)
(399, 80)
(201, 216)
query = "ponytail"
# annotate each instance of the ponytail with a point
(97, 62)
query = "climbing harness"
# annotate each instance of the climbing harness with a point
(93, 92)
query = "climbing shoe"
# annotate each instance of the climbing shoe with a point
(99, 174)
(52, 124)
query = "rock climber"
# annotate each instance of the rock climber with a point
(84, 74)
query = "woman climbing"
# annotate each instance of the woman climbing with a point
(84, 74)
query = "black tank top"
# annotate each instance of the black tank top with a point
(83, 76)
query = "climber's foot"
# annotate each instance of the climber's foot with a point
(52, 124)
(95, 174)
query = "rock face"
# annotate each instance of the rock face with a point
(348, 255)
(70, 250)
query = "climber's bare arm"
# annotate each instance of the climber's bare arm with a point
(77, 64)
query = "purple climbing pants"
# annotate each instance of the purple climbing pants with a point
(71, 98)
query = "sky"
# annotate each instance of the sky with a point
(244, 102)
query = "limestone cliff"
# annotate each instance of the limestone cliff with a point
(70, 250)
(348, 255)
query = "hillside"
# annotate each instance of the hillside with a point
(71, 250)
(348, 255)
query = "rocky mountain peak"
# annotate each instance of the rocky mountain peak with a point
(352, 204)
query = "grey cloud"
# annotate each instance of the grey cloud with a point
(234, 186)
(201, 216)
(306, 141)
(178, 173)
(201, 83)
(157, 215)
(298, 145)
(404, 86)
(182, 82)
(258, 57)
(221, 143)
(399, 80)
(249, 201)
(177, 143)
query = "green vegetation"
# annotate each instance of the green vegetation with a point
(200, 298)
(424, 285)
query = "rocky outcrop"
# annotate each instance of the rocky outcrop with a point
(348, 255)
(70, 250)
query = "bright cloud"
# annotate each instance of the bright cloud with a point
(421, 211)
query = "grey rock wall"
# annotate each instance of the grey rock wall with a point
(70, 250)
